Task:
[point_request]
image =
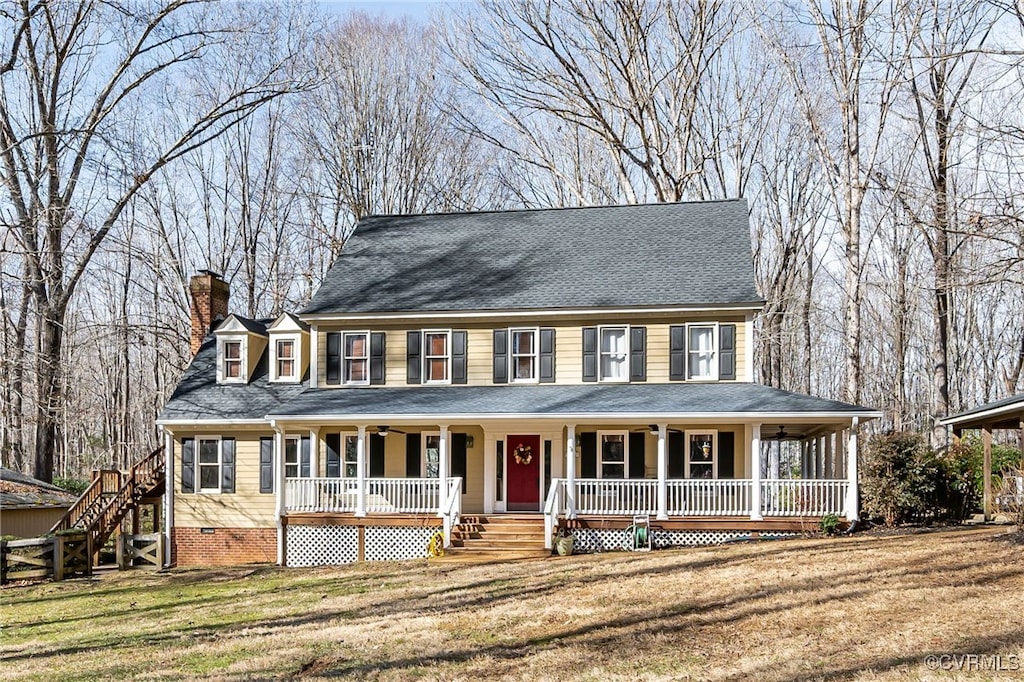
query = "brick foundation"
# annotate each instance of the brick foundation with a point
(224, 546)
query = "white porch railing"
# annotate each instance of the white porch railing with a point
(709, 497)
(383, 495)
(796, 497)
(696, 497)
(616, 496)
(451, 510)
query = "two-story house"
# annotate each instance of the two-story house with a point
(562, 369)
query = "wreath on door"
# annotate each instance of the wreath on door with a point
(523, 454)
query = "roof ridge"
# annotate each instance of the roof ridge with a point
(550, 209)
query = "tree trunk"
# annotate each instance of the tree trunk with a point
(48, 389)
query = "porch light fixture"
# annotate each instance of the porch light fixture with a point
(383, 430)
(654, 429)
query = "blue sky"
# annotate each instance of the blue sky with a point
(415, 9)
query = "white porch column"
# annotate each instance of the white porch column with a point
(279, 492)
(314, 453)
(168, 496)
(442, 468)
(852, 512)
(570, 470)
(662, 473)
(755, 472)
(360, 469)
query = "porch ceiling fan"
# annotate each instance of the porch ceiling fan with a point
(384, 430)
(653, 430)
(782, 435)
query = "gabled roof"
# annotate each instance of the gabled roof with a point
(235, 323)
(198, 396)
(1006, 413)
(21, 491)
(288, 322)
(657, 255)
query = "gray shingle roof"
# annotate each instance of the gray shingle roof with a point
(684, 254)
(21, 491)
(598, 400)
(999, 411)
(198, 396)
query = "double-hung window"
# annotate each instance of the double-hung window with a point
(209, 465)
(431, 455)
(523, 358)
(232, 360)
(285, 359)
(614, 353)
(291, 457)
(702, 362)
(701, 455)
(614, 454)
(357, 358)
(351, 443)
(437, 357)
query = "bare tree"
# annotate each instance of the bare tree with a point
(73, 86)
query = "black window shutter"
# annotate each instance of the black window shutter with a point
(727, 351)
(637, 460)
(677, 352)
(413, 364)
(333, 358)
(459, 374)
(588, 454)
(459, 458)
(412, 455)
(590, 353)
(376, 455)
(227, 465)
(377, 354)
(304, 459)
(188, 465)
(501, 356)
(638, 354)
(676, 455)
(547, 355)
(266, 464)
(726, 454)
(333, 442)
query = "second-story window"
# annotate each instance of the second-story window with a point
(357, 358)
(436, 357)
(286, 359)
(614, 354)
(702, 358)
(232, 359)
(523, 358)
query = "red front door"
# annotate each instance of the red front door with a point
(523, 467)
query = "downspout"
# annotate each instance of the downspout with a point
(168, 528)
(279, 482)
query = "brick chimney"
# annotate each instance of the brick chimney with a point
(210, 295)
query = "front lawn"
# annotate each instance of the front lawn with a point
(864, 607)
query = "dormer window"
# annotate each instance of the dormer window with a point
(289, 349)
(232, 360)
(286, 359)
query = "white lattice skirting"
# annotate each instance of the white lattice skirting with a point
(322, 545)
(615, 539)
(397, 543)
(335, 545)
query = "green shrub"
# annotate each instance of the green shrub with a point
(75, 486)
(830, 524)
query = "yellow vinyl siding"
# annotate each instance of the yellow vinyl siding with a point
(568, 346)
(247, 507)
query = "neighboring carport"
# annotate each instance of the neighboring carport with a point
(1006, 414)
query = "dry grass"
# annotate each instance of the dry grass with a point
(869, 608)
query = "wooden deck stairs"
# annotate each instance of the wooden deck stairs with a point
(112, 496)
(499, 537)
